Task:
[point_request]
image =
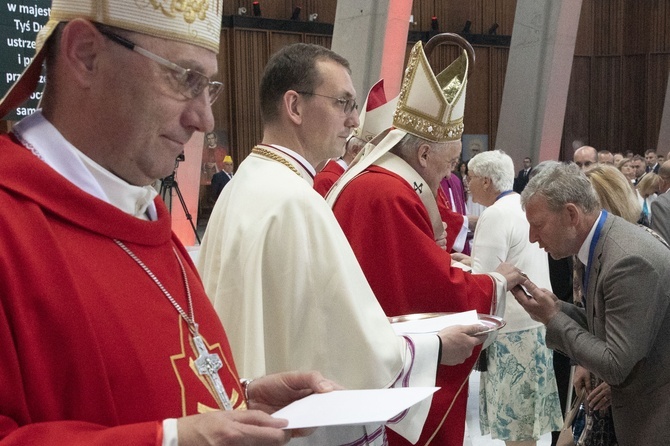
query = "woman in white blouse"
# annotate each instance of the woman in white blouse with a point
(518, 394)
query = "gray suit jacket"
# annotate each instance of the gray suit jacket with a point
(660, 215)
(623, 334)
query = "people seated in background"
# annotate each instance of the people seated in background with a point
(107, 335)
(605, 157)
(518, 396)
(585, 157)
(648, 188)
(639, 165)
(651, 161)
(615, 192)
(626, 167)
(618, 157)
(660, 208)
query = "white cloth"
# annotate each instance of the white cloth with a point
(287, 286)
(502, 233)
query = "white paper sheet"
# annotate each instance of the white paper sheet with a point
(347, 407)
(435, 324)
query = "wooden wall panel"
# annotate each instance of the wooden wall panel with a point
(422, 10)
(282, 9)
(280, 40)
(657, 84)
(326, 41)
(478, 96)
(585, 32)
(452, 15)
(497, 71)
(606, 100)
(659, 25)
(635, 27)
(577, 111)
(607, 25)
(222, 109)
(505, 11)
(252, 51)
(633, 108)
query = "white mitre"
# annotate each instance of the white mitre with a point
(196, 23)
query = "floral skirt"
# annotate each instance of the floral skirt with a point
(518, 397)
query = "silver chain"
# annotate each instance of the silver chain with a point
(189, 318)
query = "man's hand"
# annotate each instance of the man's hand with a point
(542, 305)
(235, 427)
(442, 239)
(462, 258)
(512, 274)
(271, 393)
(458, 342)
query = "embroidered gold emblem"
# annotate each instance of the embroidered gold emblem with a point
(190, 9)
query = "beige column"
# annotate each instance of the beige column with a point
(372, 35)
(537, 79)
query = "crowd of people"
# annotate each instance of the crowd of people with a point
(112, 335)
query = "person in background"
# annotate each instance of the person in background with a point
(660, 208)
(585, 157)
(107, 335)
(628, 171)
(220, 179)
(605, 157)
(618, 157)
(524, 174)
(648, 188)
(639, 165)
(518, 396)
(651, 160)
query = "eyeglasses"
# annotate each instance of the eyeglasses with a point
(349, 105)
(190, 83)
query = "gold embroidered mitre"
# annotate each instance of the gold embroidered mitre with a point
(196, 22)
(429, 106)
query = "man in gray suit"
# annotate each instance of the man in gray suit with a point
(660, 208)
(623, 333)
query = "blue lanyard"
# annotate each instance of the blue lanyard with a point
(507, 192)
(592, 248)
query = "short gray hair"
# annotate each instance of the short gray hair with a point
(409, 144)
(561, 184)
(496, 165)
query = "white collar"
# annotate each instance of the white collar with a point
(45, 141)
(583, 254)
(298, 158)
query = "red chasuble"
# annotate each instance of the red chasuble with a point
(92, 351)
(325, 179)
(391, 234)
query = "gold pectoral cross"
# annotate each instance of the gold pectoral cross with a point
(208, 365)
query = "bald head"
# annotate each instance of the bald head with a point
(585, 157)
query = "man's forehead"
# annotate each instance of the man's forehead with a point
(334, 76)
